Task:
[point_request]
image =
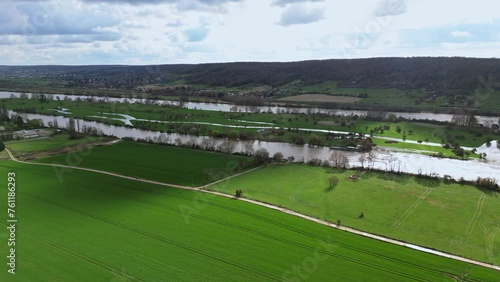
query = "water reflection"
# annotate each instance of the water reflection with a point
(249, 109)
(406, 162)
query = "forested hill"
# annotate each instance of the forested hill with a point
(435, 74)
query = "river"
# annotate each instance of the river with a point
(405, 162)
(486, 120)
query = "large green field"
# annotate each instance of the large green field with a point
(168, 164)
(94, 227)
(450, 217)
(50, 143)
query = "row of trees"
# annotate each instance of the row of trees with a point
(466, 120)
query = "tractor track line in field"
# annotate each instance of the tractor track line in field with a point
(477, 214)
(255, 271)
(153, 236)
(279, 239)
(410, 210)
(310, 218)
(105, 266)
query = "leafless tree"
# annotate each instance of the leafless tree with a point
(370, 157)
(163, 138)
(208, 144)
(249, 150)
(339, 160)
(178, 141)
(362, 160)
(278, 157)
(227, 147)
(261, 156)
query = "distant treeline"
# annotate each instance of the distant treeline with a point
(442, 75)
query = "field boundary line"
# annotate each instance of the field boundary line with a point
(281, 209)
(227, 178)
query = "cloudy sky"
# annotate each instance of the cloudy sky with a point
(199, 31)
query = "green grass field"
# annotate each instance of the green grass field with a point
(163, 163)
(431, 150)
(50, 143)
(94, 227)
(450, 217)
(382, 97)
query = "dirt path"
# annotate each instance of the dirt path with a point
(284, 210)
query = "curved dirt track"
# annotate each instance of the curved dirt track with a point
(306, 217)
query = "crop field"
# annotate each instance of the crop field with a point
(321, 98)
(101, 228)
(168, 164)
(458, 219)
(377, 97)
(50, 143)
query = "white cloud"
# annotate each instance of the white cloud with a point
(302, 14)
(283, 3)
(172, 31)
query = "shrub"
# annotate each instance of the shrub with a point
(489, 183)
(365, 145)
(278, 157)
(315, 162)
(448, 179)
(261, 156)
(333, 181)
(239, 193)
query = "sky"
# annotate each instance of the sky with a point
(82, 32)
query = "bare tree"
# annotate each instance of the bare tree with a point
(370, 157)
(227, 146)
(261, 156)
(163, 138)
(362, 160)
(208, 144)
(339, 160)
(464, 120)
(278, 157)
(249, 150)
(191, 143)
(178, 141)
